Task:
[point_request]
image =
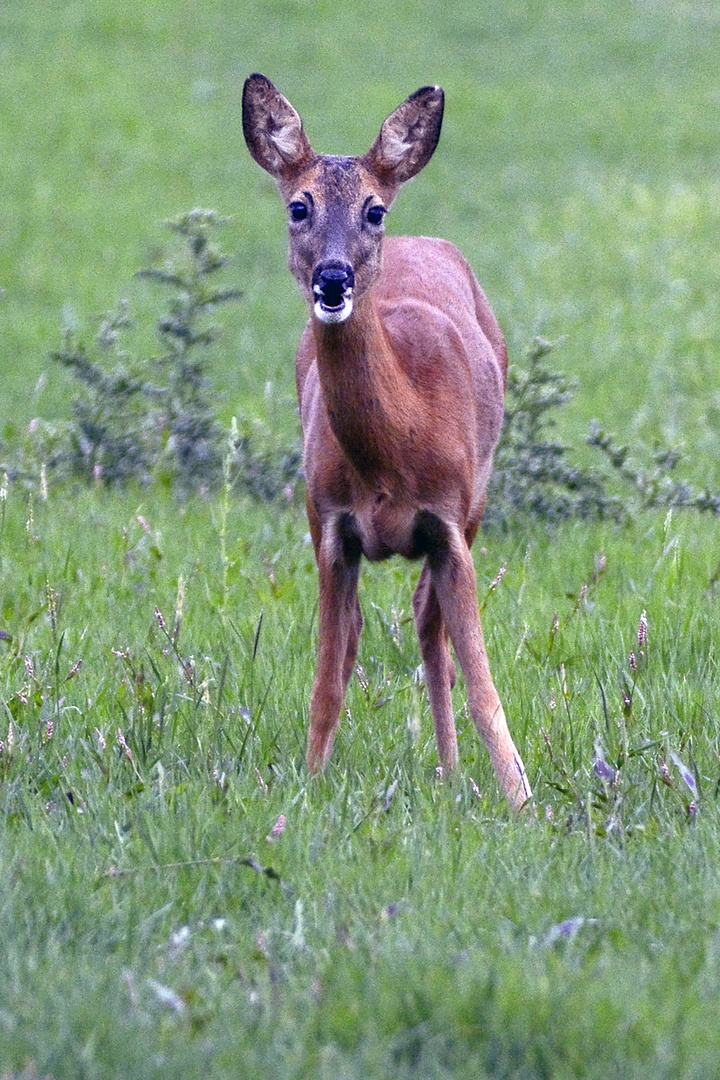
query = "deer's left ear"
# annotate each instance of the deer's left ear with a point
(273, 129)
(408, 137)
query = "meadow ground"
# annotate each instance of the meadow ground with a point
(176, 897)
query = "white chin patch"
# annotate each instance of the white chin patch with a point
(335, 314)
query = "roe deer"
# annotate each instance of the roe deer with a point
(401, 377)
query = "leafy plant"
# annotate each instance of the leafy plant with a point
(533, 474)
(154, 417)
(654, 487)
(535, 477)
(151, 418)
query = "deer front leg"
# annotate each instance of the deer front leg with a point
(438, 667)
(339, 637)
(453, 577)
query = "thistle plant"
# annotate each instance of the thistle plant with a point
(534, 475)
(194, 436)
(655, 487)
(153, 417)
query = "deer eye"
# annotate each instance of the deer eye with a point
(375, 215)
(298, 211)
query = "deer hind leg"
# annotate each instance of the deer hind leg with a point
(438, 666)
(453, 578)
(340, 627)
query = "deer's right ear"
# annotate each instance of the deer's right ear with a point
(273, 130)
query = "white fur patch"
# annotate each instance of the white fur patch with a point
(332, 317)
(395, 147)
(286, 139)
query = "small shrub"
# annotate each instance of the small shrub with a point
(262, 466)
(533, 475)
(654, 488)
(152, 419)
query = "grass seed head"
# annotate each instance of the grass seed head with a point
(498, 578)
(123, 743)
(642, 634)
(277, 830)
(179, 608)
(52, 603)
(75, 670)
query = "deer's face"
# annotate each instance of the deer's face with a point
(337, 205)
(336, 222)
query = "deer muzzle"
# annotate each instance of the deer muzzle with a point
(333, 286)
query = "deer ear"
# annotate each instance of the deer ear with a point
(408, 137)
(273, 130)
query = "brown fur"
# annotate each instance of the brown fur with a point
(401, 404)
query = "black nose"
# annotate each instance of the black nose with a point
(332, 281)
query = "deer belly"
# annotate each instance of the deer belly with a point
(384, 528)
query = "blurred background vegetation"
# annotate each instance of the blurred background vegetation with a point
(577, 170)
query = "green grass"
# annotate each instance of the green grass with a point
(399, 925)
(403, 925)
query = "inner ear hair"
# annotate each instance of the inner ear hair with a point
(273, 130)
(408, 138)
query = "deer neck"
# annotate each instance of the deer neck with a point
(372, 406)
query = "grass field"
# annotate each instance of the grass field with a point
(177, 899)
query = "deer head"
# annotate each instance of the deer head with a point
(337, 205)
